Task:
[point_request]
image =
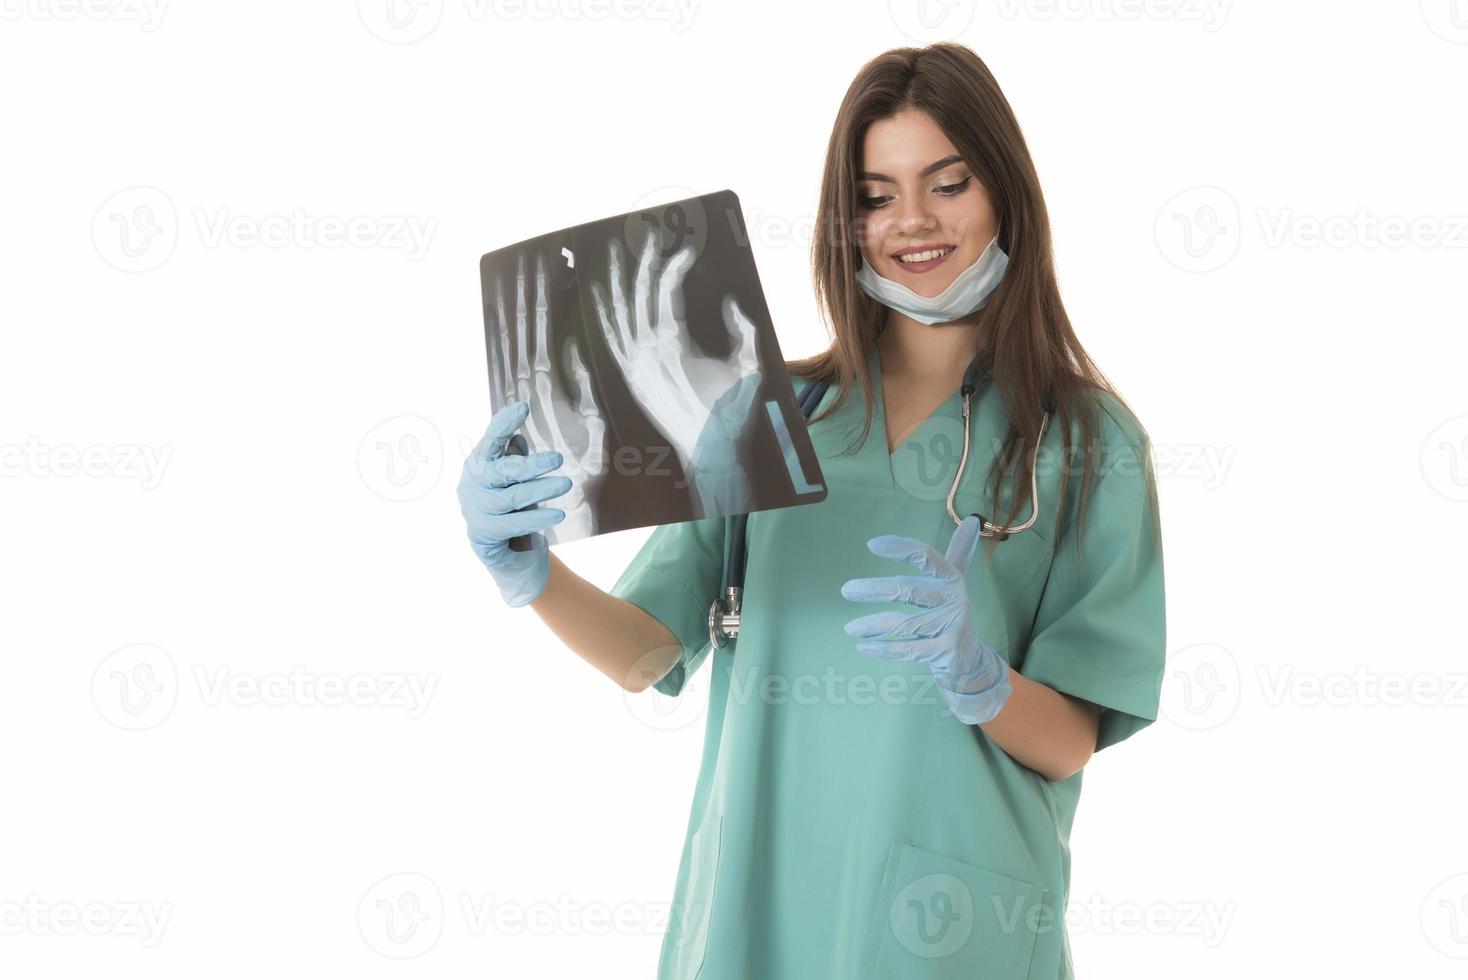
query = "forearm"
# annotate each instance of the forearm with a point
(1051, 733)
(616, 637)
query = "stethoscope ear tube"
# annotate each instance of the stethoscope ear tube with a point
(987, 528)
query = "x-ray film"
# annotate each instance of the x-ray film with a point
(645, 349)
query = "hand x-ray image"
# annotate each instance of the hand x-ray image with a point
(644, 348)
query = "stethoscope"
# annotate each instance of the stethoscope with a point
(724, 610)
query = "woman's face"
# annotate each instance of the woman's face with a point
(915, 195)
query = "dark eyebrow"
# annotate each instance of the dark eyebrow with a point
(930, 168)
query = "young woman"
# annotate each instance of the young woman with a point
(889, 792)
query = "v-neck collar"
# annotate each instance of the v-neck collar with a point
(941, 435)
(951, 407)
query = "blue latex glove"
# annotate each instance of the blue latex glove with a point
(492, 490)
(973, 677)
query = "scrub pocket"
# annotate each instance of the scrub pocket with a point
(938, 917)
(690, 925)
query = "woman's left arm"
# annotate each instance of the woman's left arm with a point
(1092, 667)
(1038, 726)
(1051, 733)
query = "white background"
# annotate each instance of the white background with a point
(229, 463)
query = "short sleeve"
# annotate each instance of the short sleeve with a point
(675, 578)
(1100, 630)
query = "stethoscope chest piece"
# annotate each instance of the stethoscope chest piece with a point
(724, 618)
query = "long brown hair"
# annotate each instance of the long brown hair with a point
(1026, 342)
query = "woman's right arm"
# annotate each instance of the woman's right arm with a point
(496, 494)
(615, 636)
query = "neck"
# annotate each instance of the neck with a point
(923, 354)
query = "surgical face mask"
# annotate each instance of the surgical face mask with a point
(969, 292)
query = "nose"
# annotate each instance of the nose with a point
(913, 217)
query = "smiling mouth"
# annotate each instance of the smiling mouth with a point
(928, 255)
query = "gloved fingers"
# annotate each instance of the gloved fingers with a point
(920, 553)
(924, 650)
(897, 624)
(919, 590)
(518, 496)
(889, 625)
(484, 527)
(532, 492)
(498, 554)
(521, 575)
(491, 551)
(501, 427)
(506, 471)
(964, 542)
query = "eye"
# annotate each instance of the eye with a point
(951, 190)
(873, 203)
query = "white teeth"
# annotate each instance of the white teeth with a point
(923, 256)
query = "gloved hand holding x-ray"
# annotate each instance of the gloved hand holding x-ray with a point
(642, 349)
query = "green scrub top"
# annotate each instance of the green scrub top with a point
(844, 823)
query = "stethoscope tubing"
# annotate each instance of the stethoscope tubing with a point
(988, 529)
(724, 612)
